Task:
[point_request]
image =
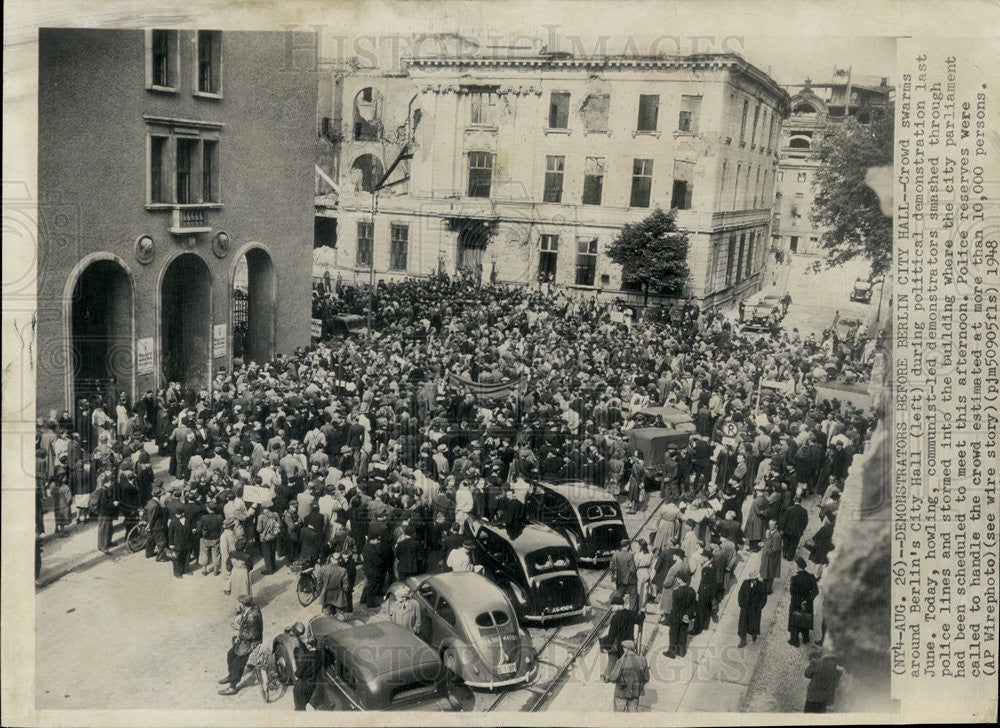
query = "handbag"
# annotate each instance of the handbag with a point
(800, 618)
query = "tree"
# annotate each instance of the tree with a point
(843, 201)
(652, 253)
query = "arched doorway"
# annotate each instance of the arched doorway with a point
(253, 301)
(186, 322)
(101, 330)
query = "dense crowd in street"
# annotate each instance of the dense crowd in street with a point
(364, 457)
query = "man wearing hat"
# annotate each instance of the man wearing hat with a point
(752, 597)
(461, 559)
(630, 675)
(404, 611)
(621, 627)
(210, 526)
(156, 516)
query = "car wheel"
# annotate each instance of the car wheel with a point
(282, 666)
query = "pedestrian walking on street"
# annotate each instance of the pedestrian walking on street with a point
(803, 590)
(793, 524)
(210, 531)
(181, 541)
(683, 613)
(333, 584)
(751, 598)
(824, 676)
(630, 675)
(621, 627)
(624, 573)
(249, 626)
(770, 557)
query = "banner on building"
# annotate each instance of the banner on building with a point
(144, 356)
(498, 390)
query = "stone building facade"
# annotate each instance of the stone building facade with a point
(167, 161)
(529, 165)
(812, 109)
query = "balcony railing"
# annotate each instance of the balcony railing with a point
(188, 221)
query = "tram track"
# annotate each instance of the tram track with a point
(559, 652)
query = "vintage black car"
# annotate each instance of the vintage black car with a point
(589, 517)
(765, 315)
(378, 666)
(862, 291)
(536, 568)
(347, 326)
(471, 623)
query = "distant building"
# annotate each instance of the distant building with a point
(529, 164)
(168, 160)
(814, 106)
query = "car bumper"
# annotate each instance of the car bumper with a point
(557, 615)
(493, 684)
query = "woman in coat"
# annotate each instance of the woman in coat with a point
(673, 579)
(756, 524)
(770, 556)
(752, 597)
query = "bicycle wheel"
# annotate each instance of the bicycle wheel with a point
(263, 679)
(137, 537)
(307, 589)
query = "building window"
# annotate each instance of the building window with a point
(763, 126)
(593, 180)
(554, 166)
(366, 237)
(793, 243)
(559, 110)
(756, 118)
(642, 182)
(209, 62)
(743, 122)
(399, 241)
(683, 186)
(367, 171)
(736, 188)
(480, 173)
(801, 177)
(209, 170)
(548, 248)
(586, 261)
(756, 189)
(722, 180)
(649, 108)
(185, 155)
(781, 176)
(484, 106)
(164, 59)
(730, 261)
(687, 120)
(157, 164)
(770, 133)
(739, 260)
(367, 115)
(595, 112)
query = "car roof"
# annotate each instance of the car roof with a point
(321, 625)
(670, 415)
(652, 433)
(403, 649)
(576, 491)
(534, 536)
(771, 297)
(471, 590)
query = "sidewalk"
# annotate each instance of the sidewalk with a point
(62, 555)
(715, 675)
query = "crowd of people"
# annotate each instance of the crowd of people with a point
(366, 456)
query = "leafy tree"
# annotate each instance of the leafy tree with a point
(843, 201)
(652, 253)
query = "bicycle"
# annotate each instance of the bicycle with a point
(138, 536)
(307, 588)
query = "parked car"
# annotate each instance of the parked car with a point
(347, 325)
(471, 624)
(862, 291)
(765, 315)
(589, 517)
(381, 666)
(288, 646)
(536, 568)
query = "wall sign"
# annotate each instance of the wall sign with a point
(219, 341)
(144, 356)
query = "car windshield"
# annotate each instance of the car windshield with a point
(553, 558)
(599, 511)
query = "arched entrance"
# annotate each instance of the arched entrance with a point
(186, 322)
(101, 323)
(253, 300)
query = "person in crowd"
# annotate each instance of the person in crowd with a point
(803, 590)
(623, 625)
(824, 676)
(405, 611)
(683, 613)
(751, 598)
(249, 626)
(770, 556)
(629, 675)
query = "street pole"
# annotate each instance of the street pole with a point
(371, 268)
(881, 290)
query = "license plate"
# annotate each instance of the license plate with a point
(506, 669)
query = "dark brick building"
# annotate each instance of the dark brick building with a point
(175, 169)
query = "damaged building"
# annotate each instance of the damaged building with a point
(525, 165)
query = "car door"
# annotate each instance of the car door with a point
(486, 543)
(426, 598)
(444, 622)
